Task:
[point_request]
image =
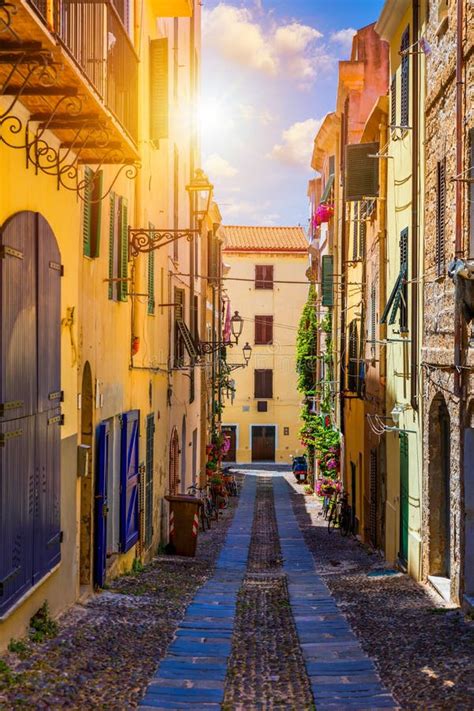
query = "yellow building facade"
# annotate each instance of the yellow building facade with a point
(265, 280)
(90, 150)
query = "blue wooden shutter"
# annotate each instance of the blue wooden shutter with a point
(49, 318)
(129, 511)
(47, 518)
(103, 454)
(18, 355)
(123, 238)
(17, 467)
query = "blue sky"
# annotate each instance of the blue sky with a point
(268, 79)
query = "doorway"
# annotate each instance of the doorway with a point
(263, 443)
(174, 462)
(85, 541)
(403, 543)
(440, 488)
(231, 432)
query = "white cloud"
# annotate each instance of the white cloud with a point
(250, 113)
(287, 51)
(232, 32)
(344, 38)
(219, 167)
(297, 143)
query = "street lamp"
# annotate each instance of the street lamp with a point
(237, 325)
(247, 351)
(201, 187)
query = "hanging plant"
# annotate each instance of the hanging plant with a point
(324, 212)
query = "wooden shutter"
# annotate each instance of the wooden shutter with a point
(263, 276)
(123, 238)
(96, 213)
(327, 280)
(150, 455)
(373, 315)
(159, 90)
(47, 518)
(17, 467)
(103, 463)
(18, 304)
(112, 246)
(362, 172)
(49, 318)
(263, 381)
(86, 212)
(440, 217)
(129, 474)
(355, 232)
(405, 69)
(393, 101)
(263, 330)
(362, 236)
(151, 279)
(404, 288)
(353, 364)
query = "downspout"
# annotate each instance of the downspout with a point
(459, 187)
(342, 354)
(414, 219)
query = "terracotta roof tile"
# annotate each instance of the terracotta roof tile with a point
(244, 238)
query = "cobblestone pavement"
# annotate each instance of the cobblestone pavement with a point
(281, 646)
(107, 649)
(266, 669)
(422, 647)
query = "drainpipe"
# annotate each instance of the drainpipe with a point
(414, 220)
(459, 185)
(343, 266)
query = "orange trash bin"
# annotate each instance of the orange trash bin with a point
(184, 523)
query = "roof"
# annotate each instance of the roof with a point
(244, 238)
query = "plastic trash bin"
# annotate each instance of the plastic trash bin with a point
(184, 523)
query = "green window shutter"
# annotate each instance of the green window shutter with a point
(327, 280)
(87, 213)
(361, 178)
(96, 213)
(159, 90)
(123, 238)
(151, 280)
(404, 98)
(112, 246)
(393, 101)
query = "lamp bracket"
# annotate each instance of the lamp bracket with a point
(141, 240)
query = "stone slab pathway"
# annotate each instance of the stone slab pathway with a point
(194, 673)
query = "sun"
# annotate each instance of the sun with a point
(214, 117)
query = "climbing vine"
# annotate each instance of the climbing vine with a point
(306, 345)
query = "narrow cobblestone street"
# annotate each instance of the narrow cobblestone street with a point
(287, 616)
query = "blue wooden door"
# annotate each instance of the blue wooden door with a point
(101, 503)
(129, 511)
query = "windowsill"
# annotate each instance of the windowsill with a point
(28, 594)
(263, 344)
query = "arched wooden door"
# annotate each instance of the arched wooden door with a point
(174, 462)
(30, 394)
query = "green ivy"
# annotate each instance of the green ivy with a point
(306, 346)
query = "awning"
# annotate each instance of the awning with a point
(328, 188)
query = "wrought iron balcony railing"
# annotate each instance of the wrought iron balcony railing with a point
(94, 36)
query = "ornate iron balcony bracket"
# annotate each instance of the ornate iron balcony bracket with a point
(142, 241)
(208, 347)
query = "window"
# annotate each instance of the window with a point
(263, 383)
(178, 338)
(327, 280)
(404, 98)
(393, 101)
(159, 90)
(262, 406)
(398, 298)
(212, 256)
(361, 178)
(263, 330)
(373, 316)
(118, 248)
(353, 364)
(263, 276)
(440, 217)
(92, 212)
(151, 280)
(175, 199)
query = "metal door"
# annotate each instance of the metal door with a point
(129, 473)
(263, 443)
(403, 554)
(101, 503)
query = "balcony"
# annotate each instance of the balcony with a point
(173, 8)
(74, 68)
